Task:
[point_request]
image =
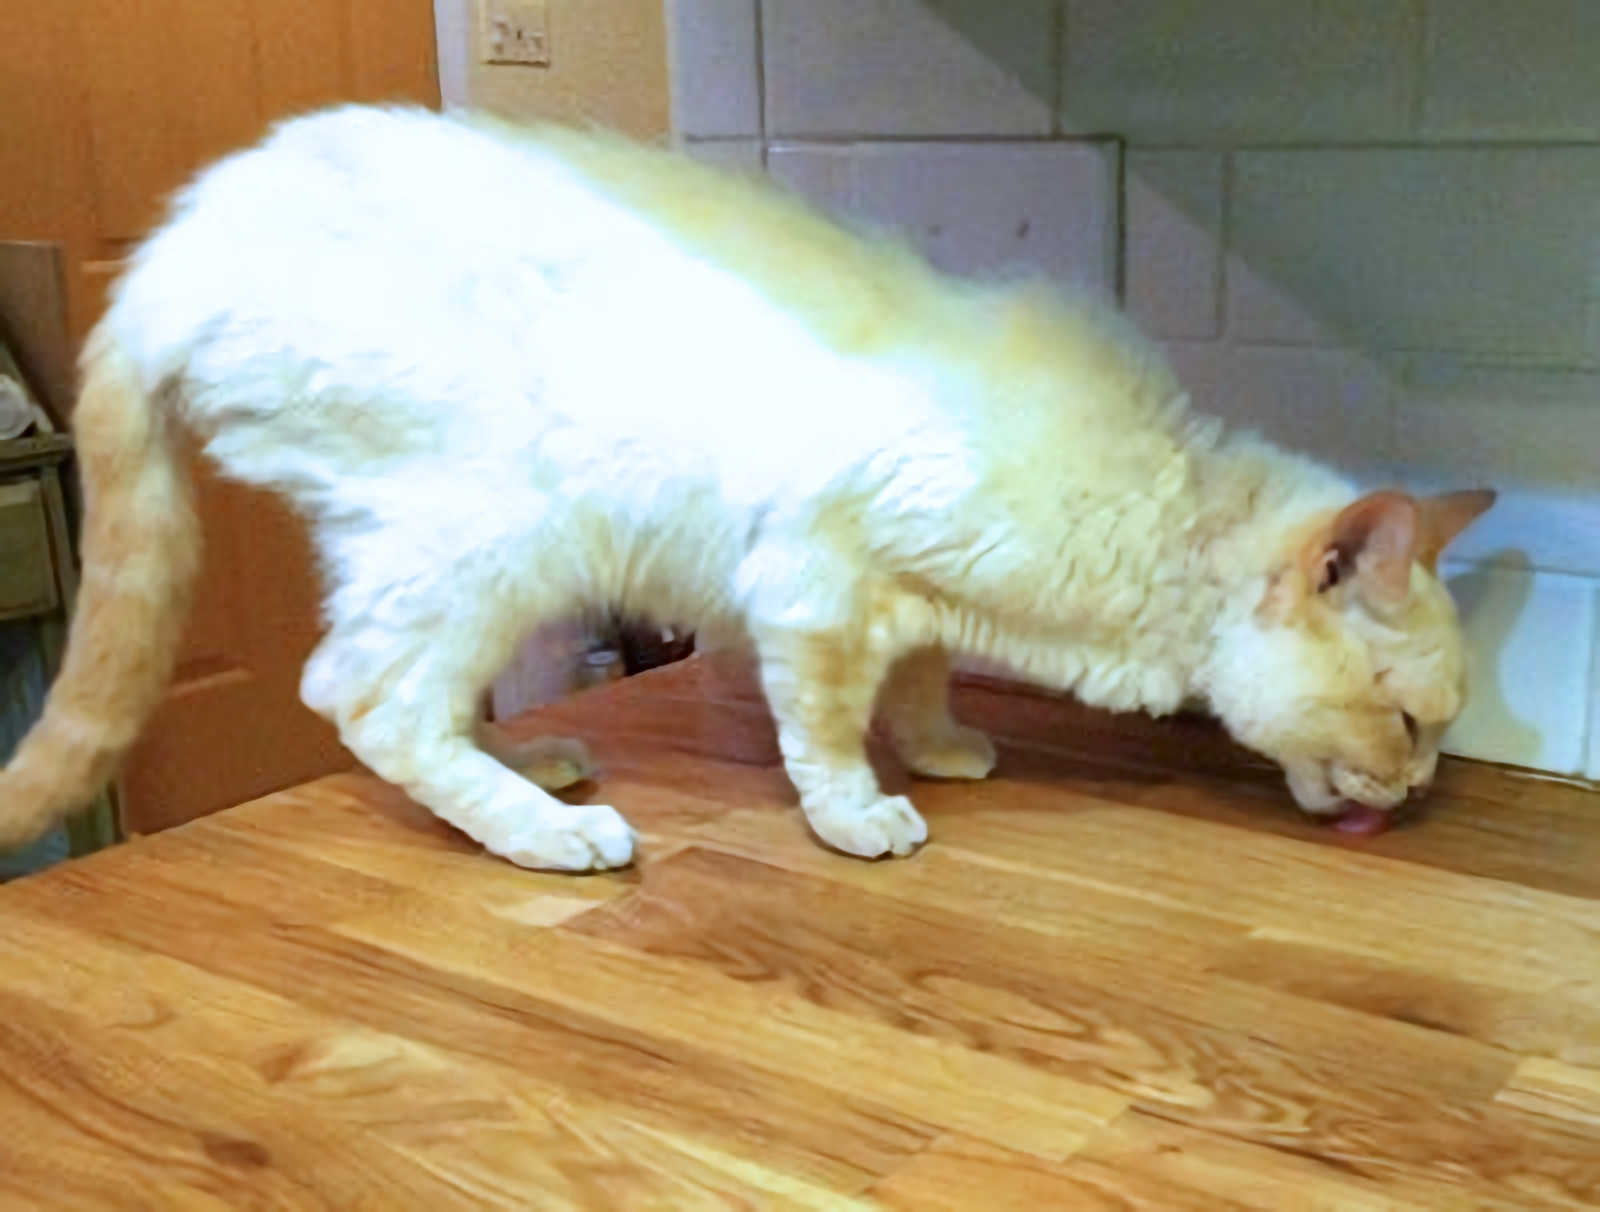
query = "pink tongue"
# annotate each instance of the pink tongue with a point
(1361, 820)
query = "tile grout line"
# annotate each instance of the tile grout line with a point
(761, 79)
(1221, 312)
(1121, 244)
(1058, 68)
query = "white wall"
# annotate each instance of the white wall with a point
(1368, 227)
(607, 65)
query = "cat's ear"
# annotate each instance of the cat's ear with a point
(1371, 545)
(1444, 517)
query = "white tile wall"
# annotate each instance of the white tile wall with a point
(1519, 70)
(1367, 227)
(1530, 637)
(1336, 404)
(1548, 529)
(824, 172)
(1260, 307)
(1533, 433)
(745, 155)
(974, 208)
(1483, 249)
(908, 67)
(1173, 268)
(713, 62)
(1240, 70)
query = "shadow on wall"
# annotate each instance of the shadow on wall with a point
(1193, 271)
(1297, 181)
(1008, 36)
(1491, 603)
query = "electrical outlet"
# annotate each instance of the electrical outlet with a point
(514, 31)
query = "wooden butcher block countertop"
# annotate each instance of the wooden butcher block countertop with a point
(1124, 973)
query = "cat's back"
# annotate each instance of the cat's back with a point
(462, 285)
(342, 223)
(482, 244)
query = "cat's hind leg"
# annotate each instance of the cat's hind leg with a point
(915, 707)
(551, 762)
(403, 684)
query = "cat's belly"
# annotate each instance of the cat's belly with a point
(551, 548)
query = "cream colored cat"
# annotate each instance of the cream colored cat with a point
(511, 374)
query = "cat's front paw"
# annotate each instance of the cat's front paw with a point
(957, 752)
(886, 825)
(583, 837)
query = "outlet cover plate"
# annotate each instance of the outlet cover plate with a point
(514, 31)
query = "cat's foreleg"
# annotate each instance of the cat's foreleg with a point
(915, 706)
(821, 685)
(404, 702)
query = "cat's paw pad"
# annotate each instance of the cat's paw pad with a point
(956, 753)
(550, 762)
(887, 825)
(587, 837)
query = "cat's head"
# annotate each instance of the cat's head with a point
(1350, 666)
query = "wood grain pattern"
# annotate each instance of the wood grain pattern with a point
(1125, 974)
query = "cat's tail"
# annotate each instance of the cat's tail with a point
(141, 549)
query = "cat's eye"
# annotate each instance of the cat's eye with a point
(1411, 725)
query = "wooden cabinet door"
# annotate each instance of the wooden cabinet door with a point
(108, 105)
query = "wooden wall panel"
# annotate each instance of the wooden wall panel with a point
(302, 55)
(388, 68)
(46, 174)
(171, 85)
